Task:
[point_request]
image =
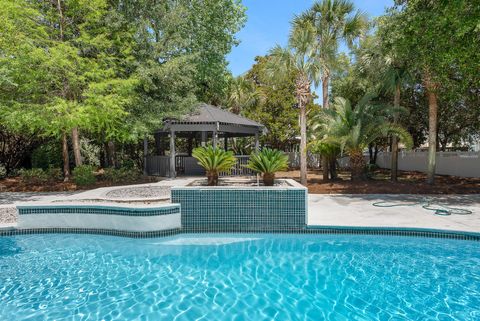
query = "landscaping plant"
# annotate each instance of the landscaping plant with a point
(83, 175)
(267, 162)
(214, 160)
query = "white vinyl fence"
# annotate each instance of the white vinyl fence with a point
(464, 164)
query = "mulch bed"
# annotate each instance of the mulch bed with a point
(14, 184)
(408, 183)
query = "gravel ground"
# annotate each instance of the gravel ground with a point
(13, 197)
(8, 214)
(148, 192)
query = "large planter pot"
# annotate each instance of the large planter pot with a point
(268, 179)
(212, 178)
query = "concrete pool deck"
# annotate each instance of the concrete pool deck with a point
(356, 210)
(325, 210)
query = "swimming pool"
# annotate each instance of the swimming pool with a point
(238, 277)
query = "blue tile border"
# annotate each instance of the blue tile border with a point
(131, 234)
(324, 230)
(98, 209)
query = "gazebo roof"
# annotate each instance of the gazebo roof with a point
(205, 113)
(210, 118)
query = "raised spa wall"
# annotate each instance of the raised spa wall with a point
(242, 209)
(100, 217)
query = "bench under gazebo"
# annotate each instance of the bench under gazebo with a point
(206, 123)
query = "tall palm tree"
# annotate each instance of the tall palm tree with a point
(334, 22)
(394, 77)
(377, 58)
(353, 129)
(298, 57)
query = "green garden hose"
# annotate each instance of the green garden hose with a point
(429, 205)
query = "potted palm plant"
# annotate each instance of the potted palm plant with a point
(267, 162)
(214, 161)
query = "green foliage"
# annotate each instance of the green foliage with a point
(84, 175)
(90, 152)
(33, 176)
(353, 129)
(275, 108)
(214, 160)
(47, 156)
(268, 161)
(120, 175)
(54, 173)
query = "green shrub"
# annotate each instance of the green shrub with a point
(84, 175)
(214, 160)
(47, 155)
(54, 173)
(33, 176)
(123, 174)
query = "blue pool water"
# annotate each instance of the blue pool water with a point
(238, 277)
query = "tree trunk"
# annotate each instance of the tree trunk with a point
(325, 81)
(432, 127)
(268, 179)
(76, 146)
(111, 154)
(394, 160)
(303, 145)
(325, 169)
(357, 165)
(66, 159)
(333, 167)
(212, 178)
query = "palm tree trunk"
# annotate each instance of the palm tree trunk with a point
(394, 161)
(66, 159)
(432, 127)
(325, 169)
(357, 165)
(303, 144)
(325, 81)
(325, 160)
(76, 146)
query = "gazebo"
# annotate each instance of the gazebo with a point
(205, 123)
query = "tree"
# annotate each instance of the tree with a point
(333, 22)
(242, 94)
(297, 57)
(275, 108)
(418, 29)
(353, 129)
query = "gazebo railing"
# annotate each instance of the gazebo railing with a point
(187, 165)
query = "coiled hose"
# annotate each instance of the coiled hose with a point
(429, 205)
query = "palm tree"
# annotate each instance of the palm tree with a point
(242, 94)
(353, 129)
(392, 75)
(333, 22)
(298, 57)
(267, 162)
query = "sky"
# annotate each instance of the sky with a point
(268, 23)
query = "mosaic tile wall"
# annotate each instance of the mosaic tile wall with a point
(248, 210)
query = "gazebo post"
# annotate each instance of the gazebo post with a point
(172, 173)
(214, 138)
(204, 138)
(145, 152)
(257, 146)
(225, 142)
